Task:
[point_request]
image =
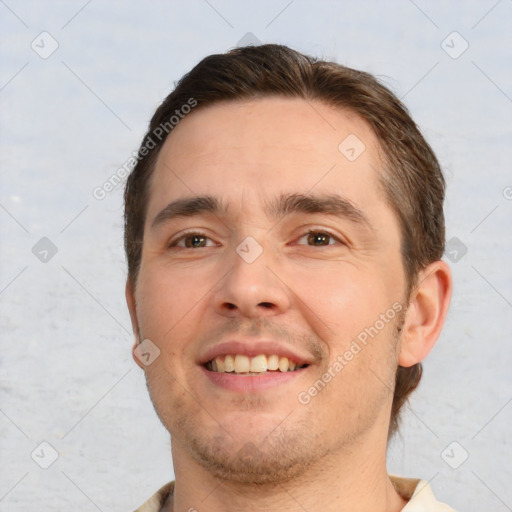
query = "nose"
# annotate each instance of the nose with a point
(251, 288)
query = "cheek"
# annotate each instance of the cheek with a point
(167, 299)
(345, 298)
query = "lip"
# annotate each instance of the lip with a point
(252, 348)
(253, 383)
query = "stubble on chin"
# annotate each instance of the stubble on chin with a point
(279, 458)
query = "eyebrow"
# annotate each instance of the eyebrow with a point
(285, 204)
(327, 204)
(188, 207)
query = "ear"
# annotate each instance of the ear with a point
(426, 313)
(132, 308)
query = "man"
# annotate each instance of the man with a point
(283, 229)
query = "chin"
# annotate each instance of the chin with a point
(267, 464)
(269, 455)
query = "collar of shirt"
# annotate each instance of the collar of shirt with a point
(418, 492)
(420, 495)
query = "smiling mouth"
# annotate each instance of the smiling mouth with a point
(240, 364)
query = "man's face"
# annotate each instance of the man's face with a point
(301, 255)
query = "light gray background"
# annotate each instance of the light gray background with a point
(70, 120)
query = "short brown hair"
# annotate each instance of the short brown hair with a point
(412, 179)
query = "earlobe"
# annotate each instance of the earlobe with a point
(132, 303)
(426, 313)
(132, 308)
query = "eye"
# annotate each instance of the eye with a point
(192, 241)
(318, 239)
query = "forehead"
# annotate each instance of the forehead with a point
(267, 146)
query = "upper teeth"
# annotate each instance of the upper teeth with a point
(240, 363)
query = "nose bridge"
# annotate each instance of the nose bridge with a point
(251, 287)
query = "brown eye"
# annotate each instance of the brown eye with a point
(317, 239)
(195, 241)
(192, 241)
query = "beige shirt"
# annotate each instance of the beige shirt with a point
(418, 492)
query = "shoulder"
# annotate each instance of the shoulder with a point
(420, 495)
(155, 503)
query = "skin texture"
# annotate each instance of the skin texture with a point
(263, 449)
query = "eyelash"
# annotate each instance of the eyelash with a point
(187, 234)
(184, 235)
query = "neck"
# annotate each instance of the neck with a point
(347, 479)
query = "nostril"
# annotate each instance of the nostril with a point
(230, 306)
(266, 304)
